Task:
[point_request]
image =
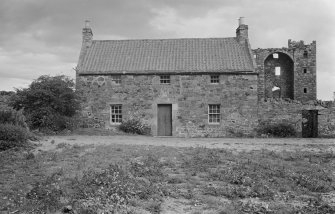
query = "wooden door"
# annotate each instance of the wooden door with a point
(310, 123)
(164, 120)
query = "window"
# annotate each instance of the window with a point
(305, 54)
(215, 78)
(116, 79)
(214, 114)
(165, 79)
(255, 56)
(305, 90)
(116, 114)
(305, 70)
(275, 56)
(277, 71)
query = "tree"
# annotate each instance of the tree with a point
(48, 103)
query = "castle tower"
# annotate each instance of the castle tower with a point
(290, 70)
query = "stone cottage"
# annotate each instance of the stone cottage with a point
(195, 87)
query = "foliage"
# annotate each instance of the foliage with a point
(4, 98)
(135, 126)
(276, 130)
(106, 190)
(13, 117)
(48, 102)
(46, 195)
(12, 136)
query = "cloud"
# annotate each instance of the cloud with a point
(44, 37)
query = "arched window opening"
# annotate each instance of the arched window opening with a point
(279, 72)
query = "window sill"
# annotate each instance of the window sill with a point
(115, 124)
(214, 124)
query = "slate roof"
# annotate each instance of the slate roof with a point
(166, 55)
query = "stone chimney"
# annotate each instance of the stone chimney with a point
(87, 34)
(242, 31)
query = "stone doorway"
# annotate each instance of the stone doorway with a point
(309, 123)
(164, 120)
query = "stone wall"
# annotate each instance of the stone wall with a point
(189, 95)
(327, 122)
(290, 112)
(304, 78)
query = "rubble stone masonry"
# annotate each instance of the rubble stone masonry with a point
(189, 95)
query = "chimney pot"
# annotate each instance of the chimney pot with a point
(87, 24)
(241, 21)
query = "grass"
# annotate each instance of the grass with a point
(148, 179)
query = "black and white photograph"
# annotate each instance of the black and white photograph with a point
(167, 106)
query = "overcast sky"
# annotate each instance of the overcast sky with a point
(44, 36)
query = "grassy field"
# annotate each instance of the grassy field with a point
(160, 179)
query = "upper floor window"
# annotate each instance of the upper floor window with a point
(277, 71)
(275, 56)
(116, 114)
(214, 115)
(305, 54)
(116, 79)
(215, 79)
(165, 79)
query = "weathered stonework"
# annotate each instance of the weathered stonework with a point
(298, 71)
(189, 95)
(290, 112)
(249, 91)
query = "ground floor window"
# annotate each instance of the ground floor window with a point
(214, 115)
(116, 114)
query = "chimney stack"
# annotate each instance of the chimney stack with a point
(242, 31)
(87, 34)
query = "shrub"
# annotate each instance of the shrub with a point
(12, 136)
(135, 126)
(277, 130)
(48, 102)
(14, 133)
(11, 116)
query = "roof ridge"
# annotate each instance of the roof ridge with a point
(210, 38)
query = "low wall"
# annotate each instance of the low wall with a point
(290, 111)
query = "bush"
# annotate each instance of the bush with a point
(135, 126)
(13, 133)
(11, 116)
(277, 130)
(48, 102)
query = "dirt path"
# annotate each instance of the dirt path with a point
(238, 144)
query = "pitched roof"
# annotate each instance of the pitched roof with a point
(166, 55)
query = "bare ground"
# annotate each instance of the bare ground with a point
(237, 144)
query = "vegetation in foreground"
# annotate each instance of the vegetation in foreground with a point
(146, 179)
